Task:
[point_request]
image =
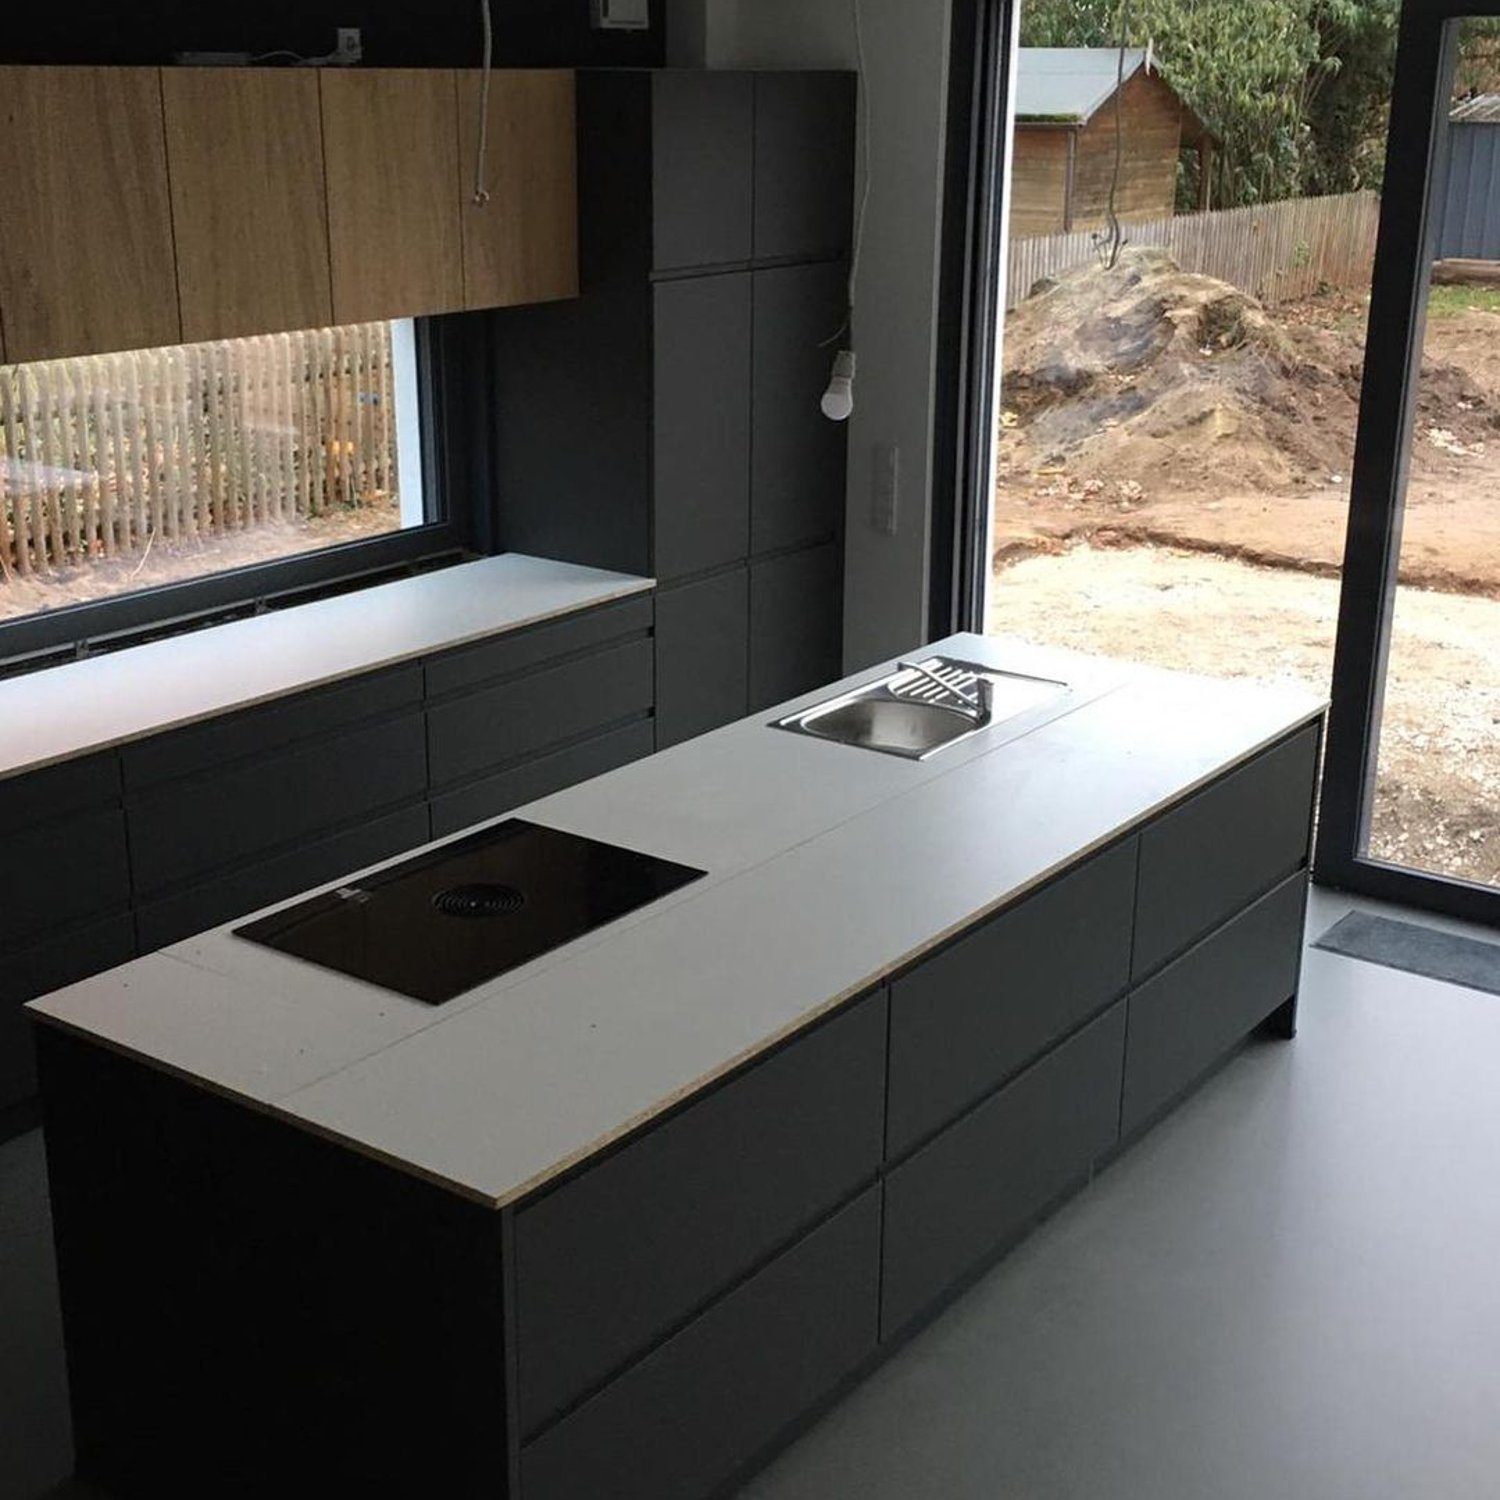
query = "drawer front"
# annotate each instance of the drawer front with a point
(985, 1178)
(60, 872)
(702, 168)
(482, 731)
(796, 624)
(1203, 861)
(610, 1262)
(210, 822)
(702, 656)
(701, 423)
(525, 783)
(208, 903)
(474, 665)
(38, 970)
(966, 1020)
(685, 1419)
(267, 730)
(55, 791)
(1198, 1008)
(797, 482)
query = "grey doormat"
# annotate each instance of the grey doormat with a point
(1417, 950)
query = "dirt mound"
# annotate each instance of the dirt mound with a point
(1147, 379)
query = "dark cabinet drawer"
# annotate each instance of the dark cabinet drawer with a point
(797, 454)
(702, 656)
(702, 174)
(40, 969)
(1204, 860)
(1198, 1008)
(969, 1191)
(493, 795)
(701, 429)
(804, 165)
(62, 871)
(610, 1262)
(474, 666)
(684, 1420)
(55, 791)
(481, 731)
(236, 893)
(965, 1020)
(269, 728)
(796, 624)
(207, 822)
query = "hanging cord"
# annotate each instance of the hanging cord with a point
(1112, 241)
(864, 192)
(481, 192)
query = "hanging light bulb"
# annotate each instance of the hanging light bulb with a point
(838, 399)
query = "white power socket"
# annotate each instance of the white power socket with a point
(350, 49)
(622, 15)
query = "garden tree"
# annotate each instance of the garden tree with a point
(1297, 91)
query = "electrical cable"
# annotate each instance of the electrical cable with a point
(838, 399)
(481, 192)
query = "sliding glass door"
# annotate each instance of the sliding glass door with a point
(1411, 798)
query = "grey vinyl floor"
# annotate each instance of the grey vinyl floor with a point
(1289, 1290)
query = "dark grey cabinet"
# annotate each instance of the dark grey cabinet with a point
(798, 456)
(517, 717)
(702, 168)
(966, 1019)
(1207, 858)
(1191, 1013)
(680, 1424)
(65, 874)
(979, 1183)
(127, 852)
(804, 164)
(702, 655)
(668, 420)
(701, 493)
(796, 623)
(609, 1263)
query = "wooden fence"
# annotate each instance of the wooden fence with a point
(103, 454)
(1277, 252)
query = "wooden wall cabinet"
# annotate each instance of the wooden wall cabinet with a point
(390, 142)
(86, 255)
(148, 207)
(521, 245)
(249, 207)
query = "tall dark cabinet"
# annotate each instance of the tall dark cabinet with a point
(668, 421)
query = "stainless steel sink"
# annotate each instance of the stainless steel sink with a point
(923, 707)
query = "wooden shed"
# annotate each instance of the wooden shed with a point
(1065, 140)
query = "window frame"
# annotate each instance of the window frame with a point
(1398, 315)
(455, 469)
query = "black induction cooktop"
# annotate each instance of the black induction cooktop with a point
(436, 925)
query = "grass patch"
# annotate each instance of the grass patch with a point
(1449, 301)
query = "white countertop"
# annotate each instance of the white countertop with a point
(830, 868)
(64, 712)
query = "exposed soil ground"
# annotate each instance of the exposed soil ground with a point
(1437, 802)
(1174, 489)
(172, 562)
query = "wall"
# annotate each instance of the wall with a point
(419, 33)
(906, 47)
(1152, 121)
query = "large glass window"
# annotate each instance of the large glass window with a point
(127, 472)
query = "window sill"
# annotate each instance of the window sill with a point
(87, 706)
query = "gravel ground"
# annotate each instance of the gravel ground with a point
(1437, 803)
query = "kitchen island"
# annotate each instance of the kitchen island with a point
(616, 1222)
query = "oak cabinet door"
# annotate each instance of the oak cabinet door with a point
(86, 256)
(245, 160)
(390, 141)
(521, 244)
